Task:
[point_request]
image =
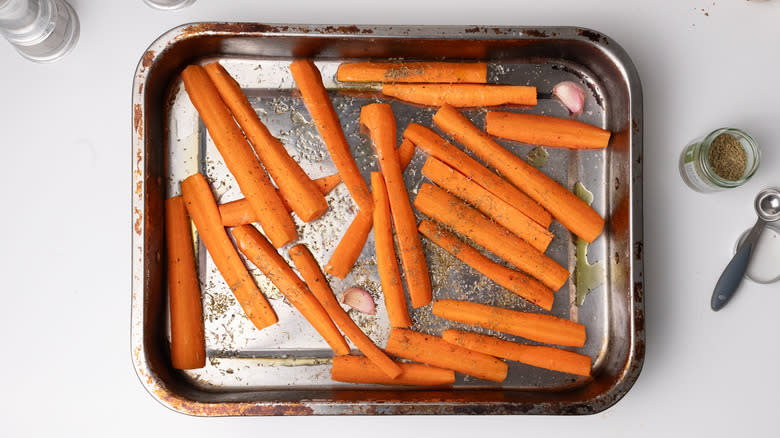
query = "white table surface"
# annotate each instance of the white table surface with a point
(66, 223)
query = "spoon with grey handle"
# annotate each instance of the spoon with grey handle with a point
(767, 206)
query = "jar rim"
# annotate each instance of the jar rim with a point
(705, 163)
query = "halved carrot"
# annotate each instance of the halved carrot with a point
(435, 351)
(188, 347)
(239, 157)
(516, 282)
(433, 144)
(310, 271)
(535, 326)
(358, 369)
(447, 72)
(405, 153)
(257, 249)
(309, 81)
(351, 244)
(546, 130)
(295, 186)
(461, 95)
(568, 209)
(379, 121)
(489, 204)
(463, 219)
(204, 213)
(389, 276)
(541, 356)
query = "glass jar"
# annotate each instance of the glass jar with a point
(699, 175)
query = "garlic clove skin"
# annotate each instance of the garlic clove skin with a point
(571, 95)
(359, 300)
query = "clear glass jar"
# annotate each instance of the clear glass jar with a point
(697, 172)
(40, 30)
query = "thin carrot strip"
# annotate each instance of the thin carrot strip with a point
(257, 249)
(351, 244)
(379, 121)
(436, 351)
(238, 156)
(535, 326)
(433, 144)
(405, 153)
(546, 130)
(516, 282)
(568, 209)
(461, 95)
(541, 356)
(295, 187)
(188, 347)
(310, 271)
(389, 276)
(447, 72)
(463, 219)
(357, 369)
(204, 213)
(309, 82)
(489, 204)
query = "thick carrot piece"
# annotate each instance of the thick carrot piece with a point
(389, 276)
(238, 156)
(541, 356)
(436, 351)
(357, 369)
(433, 144)
(546, 130)
(516, 282)
(296, 188)
(463, 219)
(309, 81)
(461, 95)
(445, 72)
(310, 271)
(379, 121)
(571, 211)
(257, 249)
(535, 326)
(351, 244)
(489, 204)
(188, 346)
(204, 213)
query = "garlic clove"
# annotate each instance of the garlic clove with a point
(571, 95)
(359, 300)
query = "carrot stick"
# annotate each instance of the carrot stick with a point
(537, 355)
(240, 212)
(516, 282)
(546, 130)
(188, 347)
(379, 121)
(309, 81)
(351, 244)
(568, 209)
(449, 210)
(447, 72)
(239, 158)
(357, 369)
(310, 271)
(204, 213)
(433, 144)
(257, 249)
(489, 204)
(436, 351)
(405, 153)
(535, 326)
(461, 95)
(294, 185)
(389, 277)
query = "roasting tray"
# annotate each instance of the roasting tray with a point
(284, 369)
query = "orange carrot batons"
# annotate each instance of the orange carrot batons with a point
(357, 369)
(188, 347)
(351, 244)
(379, 121)
(461, 95)
(446, 72)
(239, 157)
(546, 130)
(204, 213)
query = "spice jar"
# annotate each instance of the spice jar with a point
(723, 159)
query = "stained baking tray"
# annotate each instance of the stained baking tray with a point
(284, 369)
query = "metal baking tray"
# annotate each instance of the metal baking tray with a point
(284, 369)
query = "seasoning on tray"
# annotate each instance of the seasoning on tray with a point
(723, 159)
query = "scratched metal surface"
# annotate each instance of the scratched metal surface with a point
(246, 365)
